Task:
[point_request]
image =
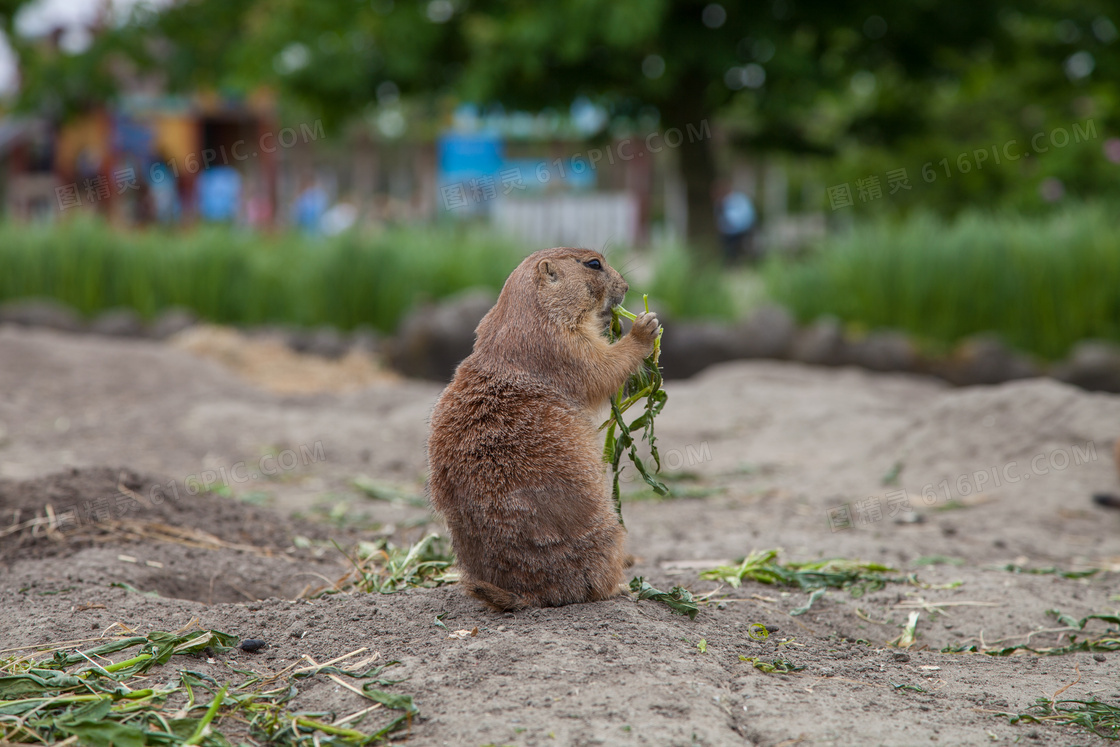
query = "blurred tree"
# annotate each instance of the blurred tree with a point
(800, 76)
(8, 11)
(797, 76)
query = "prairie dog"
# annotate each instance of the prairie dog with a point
(514, 455)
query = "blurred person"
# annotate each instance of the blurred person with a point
(735, 219)
(219, 194)
(164, 193)
(258, 205)
(339, 218)
(310, 206)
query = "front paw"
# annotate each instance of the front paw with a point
(645, 329)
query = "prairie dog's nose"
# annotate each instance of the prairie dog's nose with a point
(626, 289)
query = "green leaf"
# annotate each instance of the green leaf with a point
(781, 666)
(104, 733)
(838, 573)
(646, 383)
(62, 660)
(678, 599)
(914, 688)
(37, 682)
(808, 605)
(396, 701)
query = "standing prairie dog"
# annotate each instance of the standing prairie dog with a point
(514, 455)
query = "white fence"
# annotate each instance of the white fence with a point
(593, 221)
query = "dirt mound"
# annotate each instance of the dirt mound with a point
(90, 503)
(127, 528)
(986, 428)
(272, 365)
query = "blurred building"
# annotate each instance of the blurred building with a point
(27, 178)
(141, 160)
(547, 178)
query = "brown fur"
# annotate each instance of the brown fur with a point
(1116, 454)
(515, 465)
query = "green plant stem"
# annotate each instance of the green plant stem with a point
(127, 663)
(337, 731)
(211, 712)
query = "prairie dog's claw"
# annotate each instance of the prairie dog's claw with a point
(645, 327)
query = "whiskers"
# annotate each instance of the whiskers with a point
(629, 264)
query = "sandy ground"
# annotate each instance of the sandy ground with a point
(765, 455)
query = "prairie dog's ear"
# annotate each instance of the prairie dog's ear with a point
(547, 271)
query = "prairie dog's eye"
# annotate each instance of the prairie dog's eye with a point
(594, 264)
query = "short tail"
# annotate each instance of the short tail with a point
(496, 599)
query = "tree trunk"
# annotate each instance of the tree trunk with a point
(699, 172)
(687, 119)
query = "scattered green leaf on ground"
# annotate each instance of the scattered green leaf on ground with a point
(1107, 641)
(777, 665)
(85, 697)
(133, 589)
(1050, 570)
(379, 490)
(938, 560)
(890, 477)
(856, 576)
(1102, 719)
(758, 631)
(382, 567)
(909, 632)
(678, 598)
(813, 596)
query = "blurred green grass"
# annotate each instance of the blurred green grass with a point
(688, 285)
(236, 277)
(1040, 283)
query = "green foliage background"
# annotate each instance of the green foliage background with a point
(236, 277)
(1041, 283)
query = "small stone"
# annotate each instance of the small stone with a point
(172, 321)
(821, 343)
(690, 347)
(41, 312)
(769, 333)
(118, 323)
(883, 351)
(432, 340)
(1093, 365)
(325, 342)
(985, 359)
